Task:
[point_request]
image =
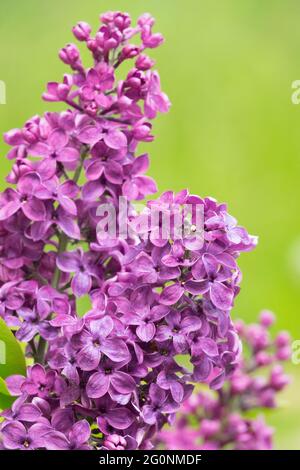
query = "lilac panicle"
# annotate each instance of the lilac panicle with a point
(109, 378)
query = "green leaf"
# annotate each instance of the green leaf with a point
(5, 399)
(3, 387)
(12, 360)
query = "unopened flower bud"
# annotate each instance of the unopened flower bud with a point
(283, 354)
(129, 51)
(146, 19)
(152, 40)
(278, 379)
(143, 62)
(263, 359)
(115, 442)
(266, 318)
(82, 31)
(69, 54)
(282, 339)
(122, 21)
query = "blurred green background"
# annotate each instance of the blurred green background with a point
(232, 133)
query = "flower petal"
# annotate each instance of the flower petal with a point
(69, 205)
(208, 346)
(177, 391)
(80, 432)
(58, 139)
(89, 357)
(115, 139)
(146, 331)
(29, 413)
(55, 440)
(120, 418)
(196, 287)
(171, 294)
(92, 190)
(98, 385)
(68, 262)
(34, 209)
(68, 225)
(116, 350)
(9, 209)
(81, 284)
(68, 154)
(29, 183)
(123, 382)
(14, 435)
(114, 172)
(221, 296)
(102, 327)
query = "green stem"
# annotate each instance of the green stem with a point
(62, 245)
(31, 343)
(41, 350)
(80, 166)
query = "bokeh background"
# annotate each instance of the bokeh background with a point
(232, 133)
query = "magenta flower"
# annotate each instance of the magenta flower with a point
(156, 101)
(159, 403)
(104, 162)
(95, 341)
(77, 439)
(62, 193)
(25, 199)
(39, 382)
(22, 411)
(113, 369)
(98, 80)
(119, 418)
(177, 329)
(55, 150)
(168, 380)
(145, 317)
(110, 375)
(82, 264)
(210, 277)
(16, 436)
(31, 325)
(10, 299)
(171, 294)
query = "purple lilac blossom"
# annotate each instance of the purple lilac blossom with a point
(111, 374)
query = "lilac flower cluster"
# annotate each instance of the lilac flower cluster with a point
(221, 420)
(109, 378)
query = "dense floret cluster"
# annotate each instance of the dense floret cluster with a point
(109, 377)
